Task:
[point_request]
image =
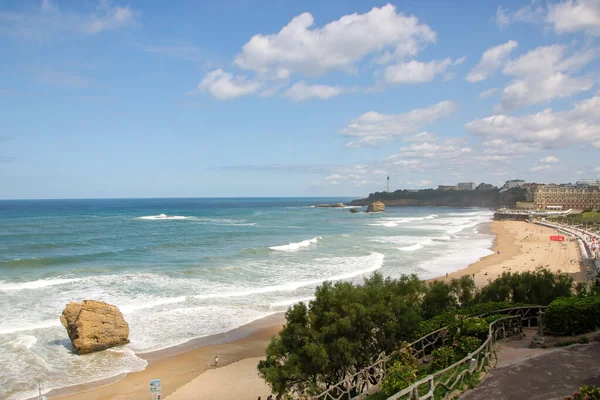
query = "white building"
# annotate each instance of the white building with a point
(465, 186)
(514, 183)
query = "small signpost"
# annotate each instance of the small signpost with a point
(155, 389)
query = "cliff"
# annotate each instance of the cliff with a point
(438, 198)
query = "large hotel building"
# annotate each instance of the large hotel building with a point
(583, 195)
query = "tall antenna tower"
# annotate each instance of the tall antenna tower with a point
(388, 184)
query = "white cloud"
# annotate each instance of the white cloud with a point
(433, 150)
(333, 177)
(566, 16)
(550, 160)
(415, 71)
(47, 21)
(492, 59)
(542, 75)
(374, 127)
(368, 141)
(487, 93)
(224, 86)
(507, 148)
(572, 16)
(407, 163)
(303, 91)
(546, 128)
(423, 183)
(301, 48)
(540, 168)
(529, 13)
(420, 137)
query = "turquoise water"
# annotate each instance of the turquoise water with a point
(184, 268)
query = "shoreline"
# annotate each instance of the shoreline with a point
(184, 366)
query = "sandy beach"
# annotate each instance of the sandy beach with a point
(521, 246)
(186, 372)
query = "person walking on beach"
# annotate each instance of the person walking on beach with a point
(216, 361)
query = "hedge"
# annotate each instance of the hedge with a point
(573, 315)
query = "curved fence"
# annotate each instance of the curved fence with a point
(368, 380)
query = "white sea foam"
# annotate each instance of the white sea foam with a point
(392, 222)
(289, 302)
(146, 303)
(297, 245)
(7, 329)
(41, 283)
(411, 248)
(164, 217)
(374, 262)
(23, 341)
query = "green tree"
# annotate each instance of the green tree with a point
(439, 297)
(531, 287)
(464, 290)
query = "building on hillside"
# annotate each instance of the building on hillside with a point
(582, 183)
(548, 197)
(446, 188)
(465, 186)
(525, 205)
(513, 183)
(485, 186)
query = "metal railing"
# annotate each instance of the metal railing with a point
(368, 380)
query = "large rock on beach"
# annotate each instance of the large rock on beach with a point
(376, 206)
(94, 326)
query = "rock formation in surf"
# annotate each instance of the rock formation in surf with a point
(376, 206)
(94, 326)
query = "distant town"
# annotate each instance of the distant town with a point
(515, 194)
(582, 195)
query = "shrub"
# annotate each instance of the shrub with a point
(494, 317)
(402, 371)
(469, 326)
(398, 377)
(404, 355)
(442, 358)
(583, 340)
(573, 315)
(585, 393)
(468, 344)
(565, 343)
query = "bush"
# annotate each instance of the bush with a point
(494, 317)
(402, 371)
(469, 326)
(583, 340)
(468, 344)
(586, 393)
(573, 315)
(442, 358)
(535, 287)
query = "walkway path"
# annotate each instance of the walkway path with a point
(551, 374)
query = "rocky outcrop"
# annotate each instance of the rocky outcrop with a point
(376, 206)
(338, 205)
(94, 326)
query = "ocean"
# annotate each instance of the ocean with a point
(181, 269)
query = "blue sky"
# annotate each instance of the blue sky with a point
(280, 98)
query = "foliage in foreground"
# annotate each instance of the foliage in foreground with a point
(402, 372)
(573, 315)
(589, 392)
(347, 326)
